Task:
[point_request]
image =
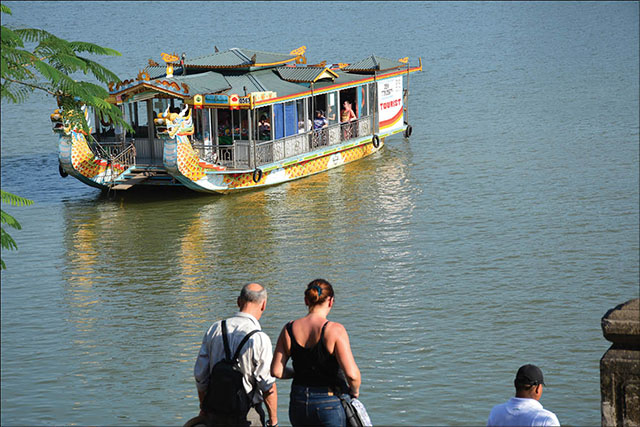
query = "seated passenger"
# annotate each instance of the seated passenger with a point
(264, 128)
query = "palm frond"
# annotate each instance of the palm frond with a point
(10, 38)
(93, 49)
(35, 35)
(7, 241)
(15, 93)
(5, 218)
(14, 200)
(100, 72)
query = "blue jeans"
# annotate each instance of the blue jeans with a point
(315, 406)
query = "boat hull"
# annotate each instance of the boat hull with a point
(77, 160)
(183, 163)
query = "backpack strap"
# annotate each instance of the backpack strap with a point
(242, 343)
(227, 350)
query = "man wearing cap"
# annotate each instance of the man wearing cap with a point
(524, 409)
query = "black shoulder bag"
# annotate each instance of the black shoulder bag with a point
(225, 393)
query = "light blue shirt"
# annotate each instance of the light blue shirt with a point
(519, 411)
(254, 360)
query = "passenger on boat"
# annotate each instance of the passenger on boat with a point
(320, 120)
(301, 127)
(331, 115)
(347, 114)
(224, 133)
(264, 127)
(323, 364)
(346, 117)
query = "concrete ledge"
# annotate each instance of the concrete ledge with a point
(621, 325)
(620, 366)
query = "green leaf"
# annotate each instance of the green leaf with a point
(14, 200)
(6, 241)
(5, 218)
(93, 48)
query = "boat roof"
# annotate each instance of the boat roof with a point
(243, 71)
(209, 82)
(374, 63)
(235, 58)
(308, 74)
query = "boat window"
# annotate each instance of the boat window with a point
(197, 124)
(363, 101)
(263, 123)
(320, 104)
(285, 119)
(240, 124)
(206, 125)
(224, 127)
(278, 121)
(290, 118)
(372, 97)
(304, 124)
(332, 108)
(348, 95)
(141, 124)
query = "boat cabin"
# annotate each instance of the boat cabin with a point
(251, 108)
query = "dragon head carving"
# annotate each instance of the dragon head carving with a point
(61, 123)
(169, 124)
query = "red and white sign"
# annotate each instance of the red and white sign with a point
(390, 105)
(234, 101)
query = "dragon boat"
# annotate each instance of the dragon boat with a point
(238, 119)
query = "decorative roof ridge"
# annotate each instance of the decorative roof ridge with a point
(240, 54)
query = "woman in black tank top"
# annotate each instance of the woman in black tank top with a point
(323, 365)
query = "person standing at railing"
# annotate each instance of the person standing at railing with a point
(346, 117)
(320, 120)
(319, 134)
(331, 115)
(347, 114)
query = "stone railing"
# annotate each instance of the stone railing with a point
(620, 366)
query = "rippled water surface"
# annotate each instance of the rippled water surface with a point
(498, 235)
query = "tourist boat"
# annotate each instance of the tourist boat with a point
(238, 119)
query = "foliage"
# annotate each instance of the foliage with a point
(6, 240)
(48, 67)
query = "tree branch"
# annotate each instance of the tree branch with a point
(30, 85)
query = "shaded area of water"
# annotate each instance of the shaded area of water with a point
(499, 235)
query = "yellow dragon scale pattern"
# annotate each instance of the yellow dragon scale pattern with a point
(188, 160)
(242, 180)
(83, 159)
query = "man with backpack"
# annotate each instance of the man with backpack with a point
(232, 369)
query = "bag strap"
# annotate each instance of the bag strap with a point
(227, 350)
(242, 343)
(225, 339)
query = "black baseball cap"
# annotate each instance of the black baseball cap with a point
(529, 375)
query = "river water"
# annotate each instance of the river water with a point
(498, 235)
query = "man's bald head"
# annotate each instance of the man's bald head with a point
(252, 293)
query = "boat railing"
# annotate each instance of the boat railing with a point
(279, 149)
(230, 155)
(240, 153)
(126, 158)
(115, 151)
